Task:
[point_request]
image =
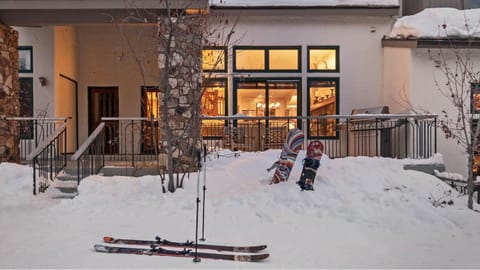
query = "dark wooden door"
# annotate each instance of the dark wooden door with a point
(103, 102)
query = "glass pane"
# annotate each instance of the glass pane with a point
(282, 98)
(151, 103)
(250, 59)
(213, 59)
(213, 99)
(475, 98)
(283, 101)
(322, 59)
(251, 99)
(323, 102)
(283, 59)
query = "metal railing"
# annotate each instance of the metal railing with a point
(135, 142)
(34, 130)
(386, 135)
(90, 156)
(130, 142)
(48, 158)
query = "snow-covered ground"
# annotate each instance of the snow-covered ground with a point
(364, 213)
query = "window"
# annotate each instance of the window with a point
(150, 129)
(214, 97)
(260, 97)
(475, 98)
(283, 59)
(26, 107)
(323, 59)
(214, 103)
(264, 59)
(250, 59)
(322, 100)
(150, 102)
(214, 59)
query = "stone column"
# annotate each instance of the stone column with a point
(9, 94)
(182, 84)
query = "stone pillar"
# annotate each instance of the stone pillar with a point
(182, 84)
(9, 94)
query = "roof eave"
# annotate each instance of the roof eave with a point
(457, 43)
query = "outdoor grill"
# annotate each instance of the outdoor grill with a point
(371, 110)
(369, 134)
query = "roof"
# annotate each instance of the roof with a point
(438, 23)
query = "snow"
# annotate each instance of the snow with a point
(438, 23)
(304, 3)
(364, 213)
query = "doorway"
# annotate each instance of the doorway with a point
(268, 98)
(103, 102)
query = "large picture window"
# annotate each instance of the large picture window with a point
(267, 59)
(322, 100)
(323, 58)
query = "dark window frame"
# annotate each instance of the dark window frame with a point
(310, 81)
(329, 47)
(266, 63)
(225, 82)
(265, 80)
(225, 54)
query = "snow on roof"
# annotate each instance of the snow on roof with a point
(304, 3)
(438, 23)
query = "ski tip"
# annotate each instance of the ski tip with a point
(101, 248)
(252, 258)
(107, 239)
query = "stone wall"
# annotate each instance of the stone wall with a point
(9, 94)
(182, 85)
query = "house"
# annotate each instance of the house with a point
(286, 61)
(416, 51)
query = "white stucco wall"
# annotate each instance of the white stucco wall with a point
(42, 41)
(359, 39)
(66, 64)
(397, 78)
(111, 56)
(426, 95)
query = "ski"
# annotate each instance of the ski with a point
(188, 244)
(186, 253)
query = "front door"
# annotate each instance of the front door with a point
(103, 102)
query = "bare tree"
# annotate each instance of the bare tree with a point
(182, 33)
(459, 76)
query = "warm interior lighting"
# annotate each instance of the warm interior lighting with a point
(213, 59)
(283, 59)
(250, 59)
(323, 59)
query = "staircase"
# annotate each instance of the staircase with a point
(65, 185)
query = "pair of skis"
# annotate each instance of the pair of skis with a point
(156, 248)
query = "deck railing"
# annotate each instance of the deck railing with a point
(34, 130)
(386, 135)
(135, 142)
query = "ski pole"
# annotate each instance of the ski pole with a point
(197, 259)
(204, 189)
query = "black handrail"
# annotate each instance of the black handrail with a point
(90, 156)
(49, 158)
